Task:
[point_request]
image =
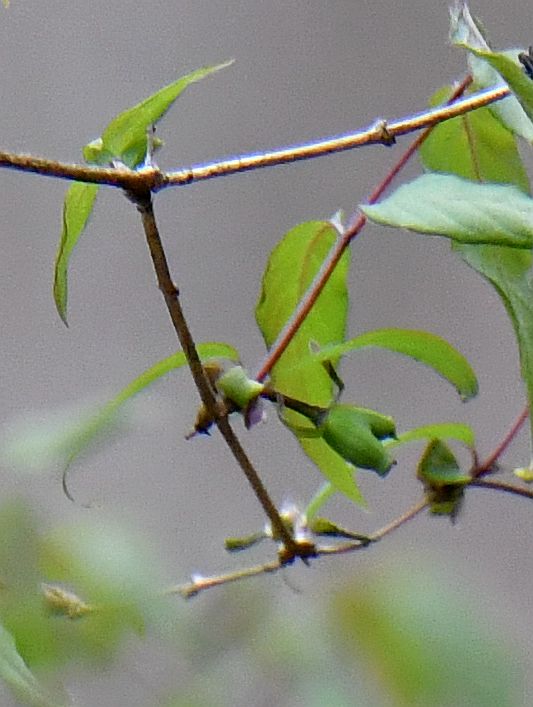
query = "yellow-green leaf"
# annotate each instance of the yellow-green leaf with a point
(77, 207)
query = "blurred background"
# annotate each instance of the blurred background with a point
(302, 70)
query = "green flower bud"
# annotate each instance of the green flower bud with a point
(355, 434)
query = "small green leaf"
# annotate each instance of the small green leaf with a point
(293, 264)
(327, 528)
(422, 346)
(463, 210)
(438, 466)
(443, 430)
(63, 440)
(77, 207)
(125, 138)
(443, 479)
(19, 678)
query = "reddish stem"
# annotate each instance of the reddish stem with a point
(486, 467)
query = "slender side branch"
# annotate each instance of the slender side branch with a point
(172, 300)
(488, 464)
(381, 132)
(200, 584)
(502, 486)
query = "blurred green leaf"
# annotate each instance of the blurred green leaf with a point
(474, 144)
(61, 439)
(77, 207)
(463, 210)
(430, 349)
(292, 265)
(125, 138)
(421, 641)
(488, 67)
(441, 430)
(111, 572)
(21, 681)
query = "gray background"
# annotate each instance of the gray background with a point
(303, 70)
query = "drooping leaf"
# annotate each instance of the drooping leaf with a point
(507, 269)
(77, 207)
(474, 144)
(430, 349)
(460, 209)
(510, 273)
(125, 138)
(60, 441)
(485, 67)
(291, 268)
(18, 677)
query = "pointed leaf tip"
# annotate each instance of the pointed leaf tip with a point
(125, 138)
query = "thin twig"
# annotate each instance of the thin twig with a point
(355, 226)
(488, 465)
(381, 132)
(200, 584)
(172, 300)
(502, 486)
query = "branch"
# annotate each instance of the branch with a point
(171, 294)
(487, 466)
(381, 132)
(355, 226)
(199, 584)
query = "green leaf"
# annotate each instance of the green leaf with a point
(442, 430)
(443, 478)
(422, 346)
(77, 207)
(125, 138)
(19, 678)
(488, 67)
(475, 146)
(61, 441)
(465, 211)
(509, 271)
(438, 466)
(291, 268)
